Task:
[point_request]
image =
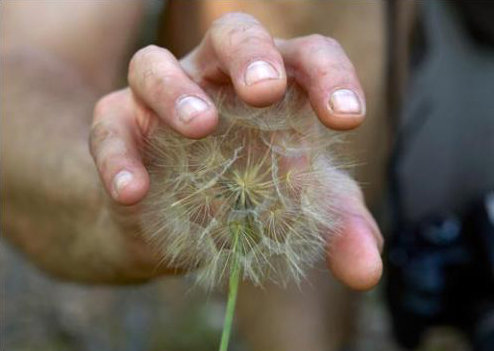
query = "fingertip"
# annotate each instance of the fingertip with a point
(263, 83)
(354, 256)
(369, 276)
(200, 125)
(129, 186)
(344, 108)
(264, 93)
(342, 123)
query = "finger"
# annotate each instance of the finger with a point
(322, 68)
(246, 52)
(114, 145)
(354, 255)
(157, 79)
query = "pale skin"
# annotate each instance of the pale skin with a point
(53, 206)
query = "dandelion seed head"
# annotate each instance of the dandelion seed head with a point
(267, 174)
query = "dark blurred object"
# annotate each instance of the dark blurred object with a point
(441, 272)
(441, 251)
(478, 16)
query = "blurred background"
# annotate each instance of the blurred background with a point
(42, 314)
(427, 150)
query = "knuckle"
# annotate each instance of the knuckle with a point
(316, 38)
(234, 18)
(331, 42)
(146, 53)
(316, 42)
(158, 84)
(114, 156)
(149, 80)
(237, 30)
(100, 108)
(107, 150)
(105, 104)
(153, 70)
(105, 164)
(246, 33)
(146, 59)
(323, 54)
(100, 134)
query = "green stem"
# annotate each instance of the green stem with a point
(232, 297)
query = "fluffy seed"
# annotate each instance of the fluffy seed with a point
(261, 191)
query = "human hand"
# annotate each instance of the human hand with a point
(236, 50)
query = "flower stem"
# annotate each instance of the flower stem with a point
(232, 296)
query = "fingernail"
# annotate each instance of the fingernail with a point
(190, 106)
(121, 180)
(258, 71)
(345, 101)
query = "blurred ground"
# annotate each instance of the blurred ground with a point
(41, 314)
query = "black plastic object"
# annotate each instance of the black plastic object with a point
(441, 272)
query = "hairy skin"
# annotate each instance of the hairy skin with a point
(53, 206)
(64, 220)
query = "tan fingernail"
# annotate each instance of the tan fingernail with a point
(190, 106)
(345, 101)
(121, 180)
(259, 71)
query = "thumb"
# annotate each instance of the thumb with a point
(354, 255)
